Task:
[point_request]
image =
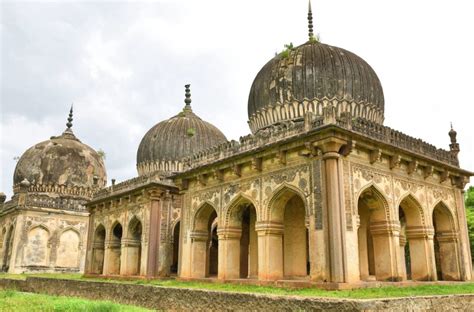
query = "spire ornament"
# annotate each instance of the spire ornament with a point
(187, 94)
(310, 22)
(69, 119)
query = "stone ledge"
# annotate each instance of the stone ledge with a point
(182, 299)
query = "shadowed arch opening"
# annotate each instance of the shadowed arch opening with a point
(418, 250)
(7, 248)
(373, 241)
(445, 244)
(287, 210)
(115, 249)
(98, 248)
(243, 251)
(174, 264)
(134, 247)
(205, 244)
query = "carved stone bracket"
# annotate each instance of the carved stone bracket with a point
(237, 168)
(257, 163)
(219, 174)
(282, 157)
(428, 172)
(375, 155)
(395, 161)
(443, 176)
(346, 149)
(412, 166)
(459, 182)
(202, 179)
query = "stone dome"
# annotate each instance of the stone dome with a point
(61, 161)
(309, 77)
(168, 142)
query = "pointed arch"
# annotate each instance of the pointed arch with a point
(98, 248)
(203, 213)
(414, 214)
(37, 249)
(230, 210)
(68, 251)
(380, 209)
(274, 210)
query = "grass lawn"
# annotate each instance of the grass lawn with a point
(17, 301)
(364, 293)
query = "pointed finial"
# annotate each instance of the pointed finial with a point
(310, 22)
(187, 94)
(452, 134)
(69, 119)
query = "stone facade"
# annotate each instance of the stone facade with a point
(321, 191)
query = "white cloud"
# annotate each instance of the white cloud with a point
(124, 65)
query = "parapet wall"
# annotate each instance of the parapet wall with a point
(180, 299)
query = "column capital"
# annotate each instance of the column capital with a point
(447, 237)
(419, 232)
(385, 228)
(331, 145)
(269, 227)
(199, 235)
(229, 233)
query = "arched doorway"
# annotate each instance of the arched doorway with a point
(445, 244)
(239, 243)
(174, 264)
(98, 247)
(375, 238)
(205, 244)
(286, 238)
(419, 255)
(115, 250)
(134, 247)
(7, 248)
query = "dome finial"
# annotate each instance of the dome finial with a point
(187, 94)
(69, 119)
(310, 22)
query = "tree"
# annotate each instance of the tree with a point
(469, 201)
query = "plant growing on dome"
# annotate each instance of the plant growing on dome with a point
(191, 132)
(101, 154)
(286, 52)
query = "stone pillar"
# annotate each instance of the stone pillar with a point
(449, 256)
(386, 247)
(464, 246)
(335, 209)
(199, 253)
(131, 255)
(402, 265)
(154, 235)
(229, 253)
(420, 241)
(270, 250)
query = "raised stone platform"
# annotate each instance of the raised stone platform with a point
(182, 299)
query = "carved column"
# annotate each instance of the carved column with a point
(402, 265)
(386, 247)
(229, 253)
(420, 241)
(335, 209)
(270, 250)
(449, 256)
(199, 263)
(464, 246)
(154, 235)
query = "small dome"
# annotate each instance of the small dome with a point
(168, 142)
(309, 77)
(61, 160)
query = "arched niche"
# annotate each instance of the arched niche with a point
(98, 248)
(68, 252)
(37, 251)
(115, 249)
(133, 247)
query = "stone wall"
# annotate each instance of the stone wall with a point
(163, 298)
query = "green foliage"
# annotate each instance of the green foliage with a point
(469, 201)
(191, 132)
(17, 301)
(286, 52)
(363, 293)
(101, 154)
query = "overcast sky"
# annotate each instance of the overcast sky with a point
(124, 65)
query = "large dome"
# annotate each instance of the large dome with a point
(168, 142)
(61, 161)
(309, 77)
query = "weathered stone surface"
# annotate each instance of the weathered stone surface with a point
(180, 299)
